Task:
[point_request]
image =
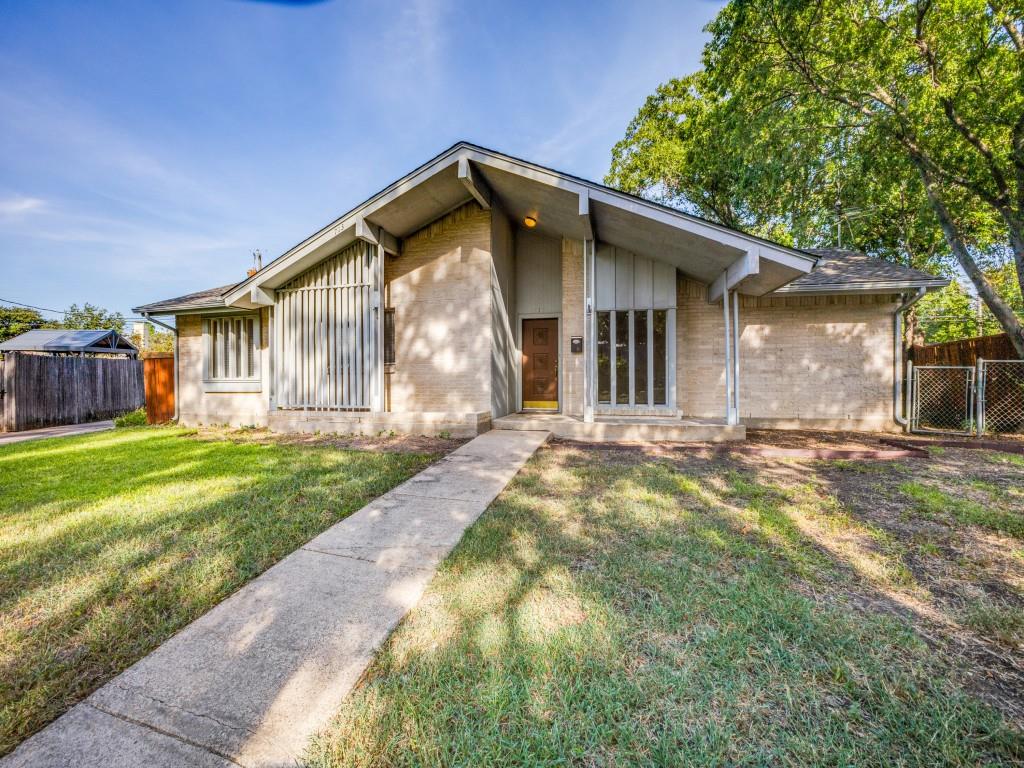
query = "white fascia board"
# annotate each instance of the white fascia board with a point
(346, 224)
(747, 265)
(877, 286)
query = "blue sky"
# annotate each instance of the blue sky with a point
(147, 148)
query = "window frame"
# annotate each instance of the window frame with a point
(246, 352)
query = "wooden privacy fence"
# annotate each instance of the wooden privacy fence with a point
(159, 376)
(964, 351)
(47, 390)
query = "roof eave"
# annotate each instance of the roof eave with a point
(176, 309)
(875, 286)
(341, 231)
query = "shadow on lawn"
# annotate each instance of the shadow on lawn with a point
(111, 543)
(621, 607)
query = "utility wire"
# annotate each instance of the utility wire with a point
(56, 311)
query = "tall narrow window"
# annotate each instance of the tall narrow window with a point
(640, 357)
(604, 357)
(622, 358)
(389, 336)
(660, 342)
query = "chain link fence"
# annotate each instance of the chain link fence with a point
(1000, 397)
(987, 398)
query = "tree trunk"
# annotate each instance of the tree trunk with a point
(1002, 311)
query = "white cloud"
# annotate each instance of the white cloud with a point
(19, 205)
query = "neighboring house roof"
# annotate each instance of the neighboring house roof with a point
(841, 270)
(99, 341)
(210, 298)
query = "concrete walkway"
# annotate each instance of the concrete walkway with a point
(65, 430)
(252, 680)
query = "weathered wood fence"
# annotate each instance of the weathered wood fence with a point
(964, 351)
(45, 390)
(159, 388)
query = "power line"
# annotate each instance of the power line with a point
(32, 306)
(59, 311)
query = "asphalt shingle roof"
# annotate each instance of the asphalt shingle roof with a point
(211, 297)
(838, 267)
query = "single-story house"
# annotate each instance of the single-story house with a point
(484, 290)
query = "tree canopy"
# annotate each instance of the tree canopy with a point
(91, 317)
(15, 321)
(896, 126)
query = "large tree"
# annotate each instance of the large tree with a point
(15, 321)
(909, 115)
(91, 317)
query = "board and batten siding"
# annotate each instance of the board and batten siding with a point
(627, 281)
(538, 274)
(325, 334)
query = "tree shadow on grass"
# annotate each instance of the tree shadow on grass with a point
(628, 608)
(112, 543)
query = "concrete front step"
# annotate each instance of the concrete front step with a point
(623, 429)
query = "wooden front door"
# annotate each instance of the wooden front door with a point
(540, 364)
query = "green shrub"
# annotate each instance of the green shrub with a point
(136, 418)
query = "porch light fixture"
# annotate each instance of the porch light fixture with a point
(530, 222)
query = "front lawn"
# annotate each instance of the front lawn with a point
(111, 542)
(660, 607)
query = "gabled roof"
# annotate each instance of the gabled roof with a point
(562, 204)
(840, 270)
(92, 341)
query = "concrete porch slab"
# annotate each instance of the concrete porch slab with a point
(623, 429)
(251, 681)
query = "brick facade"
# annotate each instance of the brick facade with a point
(440, 288)
(812, 361)
(572, 325)
(195, 406)
(822, 361)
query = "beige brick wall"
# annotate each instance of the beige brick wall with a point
(440, 288)
(572, 325)
(823, 360)
(198, 407)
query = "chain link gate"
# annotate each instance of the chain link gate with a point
(968, 400)
(942, 399)
(1000, 393)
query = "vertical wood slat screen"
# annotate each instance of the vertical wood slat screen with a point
(324, 336)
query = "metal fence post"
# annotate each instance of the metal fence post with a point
(979, 397)
(909, 394)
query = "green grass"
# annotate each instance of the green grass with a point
(609, 612)
(111, 542)
(934, 502)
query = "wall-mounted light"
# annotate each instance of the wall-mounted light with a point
(530, 222)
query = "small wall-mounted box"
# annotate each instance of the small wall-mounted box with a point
(576, 345)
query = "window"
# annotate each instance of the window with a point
(604, 357)
(660, 356)
(389, 336)
(633, 342)
(640, 357)
(231, 359)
